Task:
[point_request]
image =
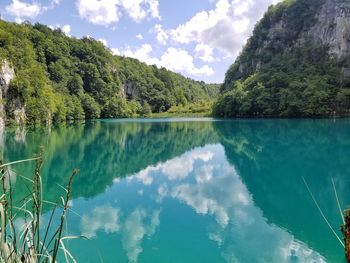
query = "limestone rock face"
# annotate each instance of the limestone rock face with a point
(333, 27)
(14, 107)
(7, 73)
(129, 90)
(325, 22)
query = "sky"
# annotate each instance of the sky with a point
(197, 38)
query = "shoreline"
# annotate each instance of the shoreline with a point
(176, 116)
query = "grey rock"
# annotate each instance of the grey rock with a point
(130, 91)
(333, 27)
(7, 73)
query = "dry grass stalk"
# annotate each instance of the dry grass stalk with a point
(25, 244)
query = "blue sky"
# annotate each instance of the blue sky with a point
(197, 38)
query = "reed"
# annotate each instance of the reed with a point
(32, 241)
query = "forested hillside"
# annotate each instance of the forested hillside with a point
(59, 78)
(296, 64)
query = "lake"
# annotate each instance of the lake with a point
(194, 190)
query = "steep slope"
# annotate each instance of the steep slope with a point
(295, 64)
(60, 78)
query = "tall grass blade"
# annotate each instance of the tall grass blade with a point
(322, 214)
(338, 203)
(20, 161)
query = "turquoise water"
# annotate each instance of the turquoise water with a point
(194, 190)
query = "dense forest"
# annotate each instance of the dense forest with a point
(287, 69)
(60, 78)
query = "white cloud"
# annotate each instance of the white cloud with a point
(139, 223)
(204, 173)
(21, 10)
(139, 36)
(173, 59)
(101, 218)
(106, 12)
(204, 52)
(143, 176)
(115, 51)
(174, 169)
(177, 168)
(226, 27)
(154, 8)
(140, 9)
(66, 29)
(194, 197)
(99, 12)
(103, 41)
(181, 167)
(143, 54)
(162, 192)
(161, 35)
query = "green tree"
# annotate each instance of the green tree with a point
(91, 108)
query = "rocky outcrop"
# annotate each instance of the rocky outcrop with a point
(7, 73)
(333, 27)
(292, 23)
(130, 92)
(11, 107)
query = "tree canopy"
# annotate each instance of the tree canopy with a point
(64, 78)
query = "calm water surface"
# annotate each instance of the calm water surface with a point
(194, 190)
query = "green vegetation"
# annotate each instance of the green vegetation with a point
(282, 73)
(60, 78)
(33, 240)
(201, 109)
(346, 232)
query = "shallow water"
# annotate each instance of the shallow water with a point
(194, 190)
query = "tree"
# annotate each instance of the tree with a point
(75, 84)
(91, 108)
(145, 110)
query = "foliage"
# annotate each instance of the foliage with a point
(346, 232)
(63, 78)
(200, 107)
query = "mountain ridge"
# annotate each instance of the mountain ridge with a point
(296, 64)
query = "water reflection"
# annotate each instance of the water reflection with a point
(240, 227)
(104, 218)
(138, 224)
(102, 151)
(213, 189)
(273, 156)
(196, 191)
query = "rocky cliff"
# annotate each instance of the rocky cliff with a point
(296, 64)
(7, 73)
(291, 23)
(12, 107)
(332, 27)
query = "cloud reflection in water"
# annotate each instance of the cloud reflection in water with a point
(203, 180)
(217, 190)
